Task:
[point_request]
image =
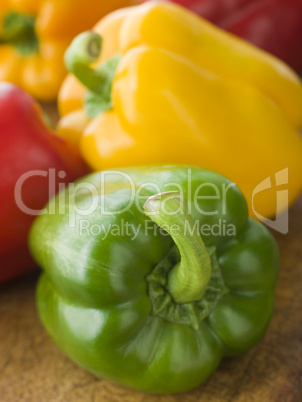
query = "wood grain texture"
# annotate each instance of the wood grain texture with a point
(33, 369)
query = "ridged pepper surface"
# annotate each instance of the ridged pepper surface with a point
(185, 92)
(154, 304)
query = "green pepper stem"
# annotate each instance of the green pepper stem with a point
(187, 281)
(86, 49)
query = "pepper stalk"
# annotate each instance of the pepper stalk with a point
(19, 31)
(188, 280)
(86, 49)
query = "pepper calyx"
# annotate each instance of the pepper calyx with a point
(191, 314)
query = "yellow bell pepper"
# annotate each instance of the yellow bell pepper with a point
(34, 35)
(166, 86)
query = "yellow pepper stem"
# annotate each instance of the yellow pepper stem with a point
(188, 280)
(86, 49)
(19, 31)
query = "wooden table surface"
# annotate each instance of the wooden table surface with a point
(33, 369)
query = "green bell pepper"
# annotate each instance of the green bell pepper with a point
(154, 304)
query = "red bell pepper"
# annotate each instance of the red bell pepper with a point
(273, 25)
(33, 163)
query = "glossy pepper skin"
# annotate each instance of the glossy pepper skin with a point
(28, 151)
(34, 35)
(273, 25)
(186, 92)
(117, 300)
